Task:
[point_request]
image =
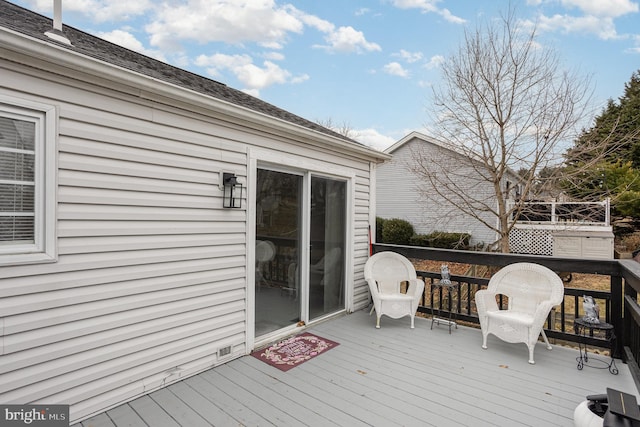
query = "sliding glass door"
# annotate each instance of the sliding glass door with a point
(326, 260)
(278, 255)
(300, 249)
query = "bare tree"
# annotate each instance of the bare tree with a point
(505, 105)
(343, 129)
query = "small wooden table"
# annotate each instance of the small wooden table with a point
(581, 327)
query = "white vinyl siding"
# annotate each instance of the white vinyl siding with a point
(398, 196)
(27, 181)
(151, 276)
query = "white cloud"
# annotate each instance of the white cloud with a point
(252, 76)
(395, 69)
(428, 6)
(342, 40)
(233, 22)
(258, 78)
(409, 57)
(319, 24)
(299, 79)
(252, 92)
(128, 40)
(274, 56)
(448, 16)
(425, 5)
(604, 27)
(592, 17)
(348, 40)
(636, 48)
(434, 62)
(610, 8)
(374, 139)
(98, 10)
(246, 21)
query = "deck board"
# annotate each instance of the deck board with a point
(243, 414)
(124, 415)
(154, 415)
(100, 420)
(182, 413)
(199, 403)
(296, 393)
(340, 408)
(384, 377)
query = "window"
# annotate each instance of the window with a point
(27, 182)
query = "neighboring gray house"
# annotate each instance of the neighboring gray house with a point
(400, 193)
(121, 271)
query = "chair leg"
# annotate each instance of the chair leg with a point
(484, 341)
(377, 321)
(373, 307)
(412, 323)
(546, 341)
(531, 348)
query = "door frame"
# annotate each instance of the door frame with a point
(291, 163)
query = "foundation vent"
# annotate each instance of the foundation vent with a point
(224, 351)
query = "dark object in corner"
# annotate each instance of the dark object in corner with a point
(623, 404)
(618, 409)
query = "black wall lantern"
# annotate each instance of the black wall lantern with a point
(232, 191)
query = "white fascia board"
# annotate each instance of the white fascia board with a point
(49, 52)
(431, 140)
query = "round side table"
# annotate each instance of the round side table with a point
(582, 328)
(442, 285)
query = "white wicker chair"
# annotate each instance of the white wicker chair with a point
(265, 253)
(384, 272)
(532, 291)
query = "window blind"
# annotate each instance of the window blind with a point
(17, 180)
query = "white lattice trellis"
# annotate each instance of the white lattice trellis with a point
(534, 242)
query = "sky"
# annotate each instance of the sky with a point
(368, 66)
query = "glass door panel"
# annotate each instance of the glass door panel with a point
(328, 234)
(278, 243)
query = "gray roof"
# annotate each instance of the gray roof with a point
(34, 25)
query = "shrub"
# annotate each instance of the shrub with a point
(397, 231)
(421, 240)
(379, 226)
(440, 239)
(631, 242)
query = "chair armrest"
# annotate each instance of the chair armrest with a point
(542, 311)
(416, 287)
(485, 301)
(373, 287)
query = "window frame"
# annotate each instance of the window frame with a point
(44, 248)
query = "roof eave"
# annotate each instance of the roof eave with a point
(51, 52)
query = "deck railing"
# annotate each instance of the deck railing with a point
(620, 300)
(589, 213)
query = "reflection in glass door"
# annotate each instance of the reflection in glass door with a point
(283, 285)
(328, 233)
(278, 225)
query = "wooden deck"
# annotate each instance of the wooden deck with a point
(393, 376)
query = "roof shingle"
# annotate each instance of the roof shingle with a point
(34, 25)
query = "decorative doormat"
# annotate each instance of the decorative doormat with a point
(292, 352)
